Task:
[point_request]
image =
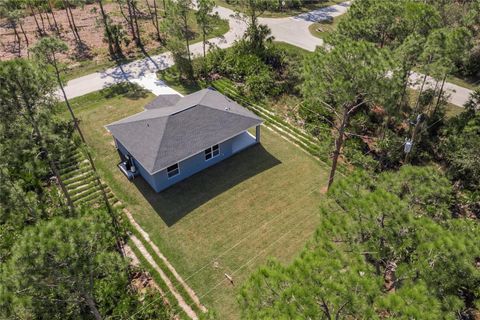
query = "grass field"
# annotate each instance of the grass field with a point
(229, 218)
(451, 110)
(466, 82)
(322, 29)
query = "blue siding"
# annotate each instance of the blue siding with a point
(160, 181)
(141, 170)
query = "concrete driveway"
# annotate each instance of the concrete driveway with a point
(294, 30)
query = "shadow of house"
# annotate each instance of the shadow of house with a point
(182, 198)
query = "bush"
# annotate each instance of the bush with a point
(472, 65)
(258, 84)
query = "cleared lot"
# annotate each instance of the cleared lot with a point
(230, 218)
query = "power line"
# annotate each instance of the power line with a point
(196, 272)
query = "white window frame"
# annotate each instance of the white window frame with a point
(169, 171)
(213, 153)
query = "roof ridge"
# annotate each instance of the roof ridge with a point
(231, 114)
(122, 121)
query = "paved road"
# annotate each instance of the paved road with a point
(293, 30)
(142, 71)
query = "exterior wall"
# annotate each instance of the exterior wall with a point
(196, 163)
(141, 170)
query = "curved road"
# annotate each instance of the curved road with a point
(293, 30)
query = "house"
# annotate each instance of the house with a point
(176, 137)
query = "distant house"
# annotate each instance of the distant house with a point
(176, 137)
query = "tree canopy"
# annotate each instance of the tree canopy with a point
(377, 254)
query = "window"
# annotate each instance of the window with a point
(212, 152)
(173, 170)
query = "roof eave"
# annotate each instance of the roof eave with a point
(197, 152)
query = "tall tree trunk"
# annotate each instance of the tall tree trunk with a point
(90, 160)
(204, 40)
(52, 28)
(52, 164)
(107, 29)
(130, 21)
(41, 18)
(150, 13)
(338, 147)
(43, 147)
(155, 12)
(74, 24)
(65, 5)
(405, 80)
(39, 30)
(135, 21)
(185, 26)
(53, 16)
(17, 36)
(70, 110)
(92, 306)
(164, 9)
(440, 95)
(25, 36)
(417, 104)
(431, 103)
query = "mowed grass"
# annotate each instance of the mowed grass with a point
(323, 28)
(230, 218)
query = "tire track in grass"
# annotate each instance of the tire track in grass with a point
(136, 262)
(145, 235)
(181, 302)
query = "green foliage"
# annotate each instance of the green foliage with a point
(204, 16)
(341, 84)
(460, 145)
(346, 74)
(47, 48)
(256, 35)
(426, 191)
(388, 22)
(52, 266)
(55, 265)
(270, 73)
(59, 267)
(176, 25)
(311, 287)
(377, 254)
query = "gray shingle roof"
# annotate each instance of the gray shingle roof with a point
(164, 100)
(163, 135)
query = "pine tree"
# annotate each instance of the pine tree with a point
(27, 93)
(349, 76)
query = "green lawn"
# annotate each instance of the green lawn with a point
(291, 49)
(313, 5)
(171, 78)
(469, 83)
(451, 110)
(322, 29)
(262, 202)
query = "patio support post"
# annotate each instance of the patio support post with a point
(257, 133)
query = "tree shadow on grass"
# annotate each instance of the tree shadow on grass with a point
(182, 198)
(125, 89)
